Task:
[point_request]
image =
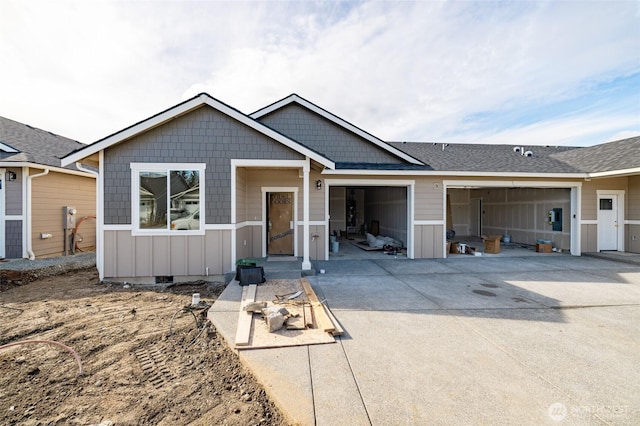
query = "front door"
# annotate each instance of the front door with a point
(280, 223)
(608, 222)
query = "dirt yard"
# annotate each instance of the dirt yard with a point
(135, 371)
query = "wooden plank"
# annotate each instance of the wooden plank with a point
(243, 332)
(322, 319)
(339, 331)
(308, 315)
(295, 323)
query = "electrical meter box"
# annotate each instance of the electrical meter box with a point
(69, 217)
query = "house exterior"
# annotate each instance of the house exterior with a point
(34, 189)
(187, 192)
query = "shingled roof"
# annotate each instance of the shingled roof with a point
(611, 156)
(33, 145)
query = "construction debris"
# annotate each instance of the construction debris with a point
(255, 307)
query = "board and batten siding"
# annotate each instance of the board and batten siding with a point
(176, 255)
(590, 194)
(50, 193)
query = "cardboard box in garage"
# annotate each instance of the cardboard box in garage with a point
(492, 243)
(544, 248)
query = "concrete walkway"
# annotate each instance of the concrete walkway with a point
(544, 340)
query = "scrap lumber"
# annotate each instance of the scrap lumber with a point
(308, 316)
(339, 331)
(319, 313)
(295, 323)
(243, 333)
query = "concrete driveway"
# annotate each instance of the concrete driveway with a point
(545, 340)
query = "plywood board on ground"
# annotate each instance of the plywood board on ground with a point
(260, 337)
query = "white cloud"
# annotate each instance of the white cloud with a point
(401, 70)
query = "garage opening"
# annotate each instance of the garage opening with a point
(368, 221)
(526, 220)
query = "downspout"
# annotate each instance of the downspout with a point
(32, 256)
(79, 166)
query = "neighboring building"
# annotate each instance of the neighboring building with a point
(34, 189)
(280, 180)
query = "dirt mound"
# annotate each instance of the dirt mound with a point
(146, 358)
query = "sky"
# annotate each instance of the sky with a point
(496, 72)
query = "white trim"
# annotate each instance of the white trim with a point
(207, 227)
(23, 164)
(632, 222)
(264, 191)
(336, 120)
(428, 222)
(306, 262)
(136, 168)
(14, 217)
(3, 190)
(25, 227)
(246, 223)
(604, 193)
(621, 172)
(183, 108)
(575, 199)
(28, 213)
(317, 223)
(471, 184)
(409, 184)
(100, 217)
(119, 227)
(268, 163)
(589, 222)
(516, 175)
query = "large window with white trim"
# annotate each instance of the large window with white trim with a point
(167, 198)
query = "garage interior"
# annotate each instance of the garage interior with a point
(355, 211)
(525, 215)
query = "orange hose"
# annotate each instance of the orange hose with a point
(49, 342)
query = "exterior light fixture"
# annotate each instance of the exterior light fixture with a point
(10, 176)
(318, 184)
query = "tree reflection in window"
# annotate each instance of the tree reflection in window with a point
(169, 196)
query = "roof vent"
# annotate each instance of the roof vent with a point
(528, 154)
(517, 149)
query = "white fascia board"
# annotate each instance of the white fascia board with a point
(183, 108)
(511, 184)
(268, 163)
(42, 166)
(613, 173)
(8, 149)
(337, 120)
(452, 174)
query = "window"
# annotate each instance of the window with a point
(606, 204)
(166, 198)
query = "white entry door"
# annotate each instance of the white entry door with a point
(608, 222)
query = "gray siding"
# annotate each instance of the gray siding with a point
(325, 137)
(203, 135)
(13, 239)
(14, 193)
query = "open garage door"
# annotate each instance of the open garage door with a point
(523, 213)
(357, 208)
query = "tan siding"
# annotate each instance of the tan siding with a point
(633, 203)
(317, 246)
(633, 245)
(50, 194)
(256, 179)
(589, 238)
(145, 257)
(316, 198)
(460, 210)
(590, 197)
(429, 199)
(429, 241)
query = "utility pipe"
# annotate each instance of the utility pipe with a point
(32, 256)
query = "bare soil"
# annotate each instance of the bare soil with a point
(147, 359)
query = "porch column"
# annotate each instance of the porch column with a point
(306, 263)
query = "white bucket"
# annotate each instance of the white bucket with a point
(506, 238)
(335, 246)
(195, 299)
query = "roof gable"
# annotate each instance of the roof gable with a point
(21, 143)
(184, 108)
(291, 100)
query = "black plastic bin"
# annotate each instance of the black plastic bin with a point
(250, 274)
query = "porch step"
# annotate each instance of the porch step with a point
(285, 269)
